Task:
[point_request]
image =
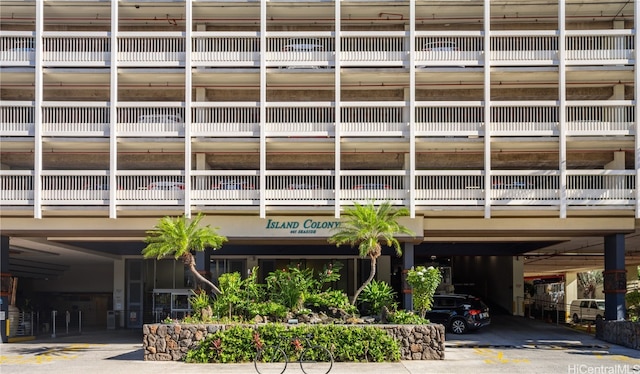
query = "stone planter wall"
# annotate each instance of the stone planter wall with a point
(623, 333)
(163, 342)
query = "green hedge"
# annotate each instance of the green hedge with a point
(353, 344)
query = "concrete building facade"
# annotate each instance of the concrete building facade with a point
(505, 130)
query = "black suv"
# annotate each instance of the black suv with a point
(459, 313)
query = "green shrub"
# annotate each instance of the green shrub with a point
(227, 302)
(423, 282)
(633, 305)
(234, 344)
(290, 286)
(378, 294)
(403, 317)
(330, 299)
(200, 303)
(270, 309)
(238, 343)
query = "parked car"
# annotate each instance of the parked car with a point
(303, 45)
(441, 46)
(586, 310)
(372, 186)
(165, 185)
(233, 184)
(459, 313)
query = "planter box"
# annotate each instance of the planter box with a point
(163, 342)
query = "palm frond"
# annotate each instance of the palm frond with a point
(178, 236)
(366, 226)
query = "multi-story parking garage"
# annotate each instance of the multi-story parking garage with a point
(506, 128)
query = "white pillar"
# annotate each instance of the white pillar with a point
(562, 108)
(487, 108)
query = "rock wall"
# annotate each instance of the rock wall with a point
(163, 342)
(623, 333)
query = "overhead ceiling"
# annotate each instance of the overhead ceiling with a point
(32, 257)
(141, 12)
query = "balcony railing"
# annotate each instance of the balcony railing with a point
(317, 119)
(300, 119)
(439, 118)
(614, 117)
(455, 188)
(16, 118)
(513, 188)
(225, 49)
(317, 49)
(225, 119)
(598, 187)
(293, 187)
(373, 119)
(532, 119)
(152, 119)
(75, 119)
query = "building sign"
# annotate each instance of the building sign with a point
(293, 227)
(300, 227)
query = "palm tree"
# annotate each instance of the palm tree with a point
(366, 226)
(178, 237)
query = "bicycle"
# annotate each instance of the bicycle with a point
(313, 359)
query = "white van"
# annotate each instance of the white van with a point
(586, 310)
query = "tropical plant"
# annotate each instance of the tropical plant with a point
(231, 294)
(588, 281)
(365, 227)
(330, 299)
(633, 305)
(178, 237)
(423, 282)
(404, 317)
(289, 287)
(201, 304)
(378, 294)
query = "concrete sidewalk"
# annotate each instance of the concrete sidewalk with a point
(120, 351)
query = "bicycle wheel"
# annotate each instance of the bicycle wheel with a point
(316, 360)
(270, 361)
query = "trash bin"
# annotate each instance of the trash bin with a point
(111, 319)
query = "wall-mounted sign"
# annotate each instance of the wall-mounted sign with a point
(307, 226)
(316, 227)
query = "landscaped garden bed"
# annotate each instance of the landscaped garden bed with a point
(235, 342)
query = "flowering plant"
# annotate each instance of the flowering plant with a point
(424, 282)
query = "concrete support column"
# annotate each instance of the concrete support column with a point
(615, 277)
(518, 285)
(408, 260)
(4, 288)
(617, 163)
(570, 289)
(119, 278)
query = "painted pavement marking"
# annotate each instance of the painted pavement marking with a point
(47, 354)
